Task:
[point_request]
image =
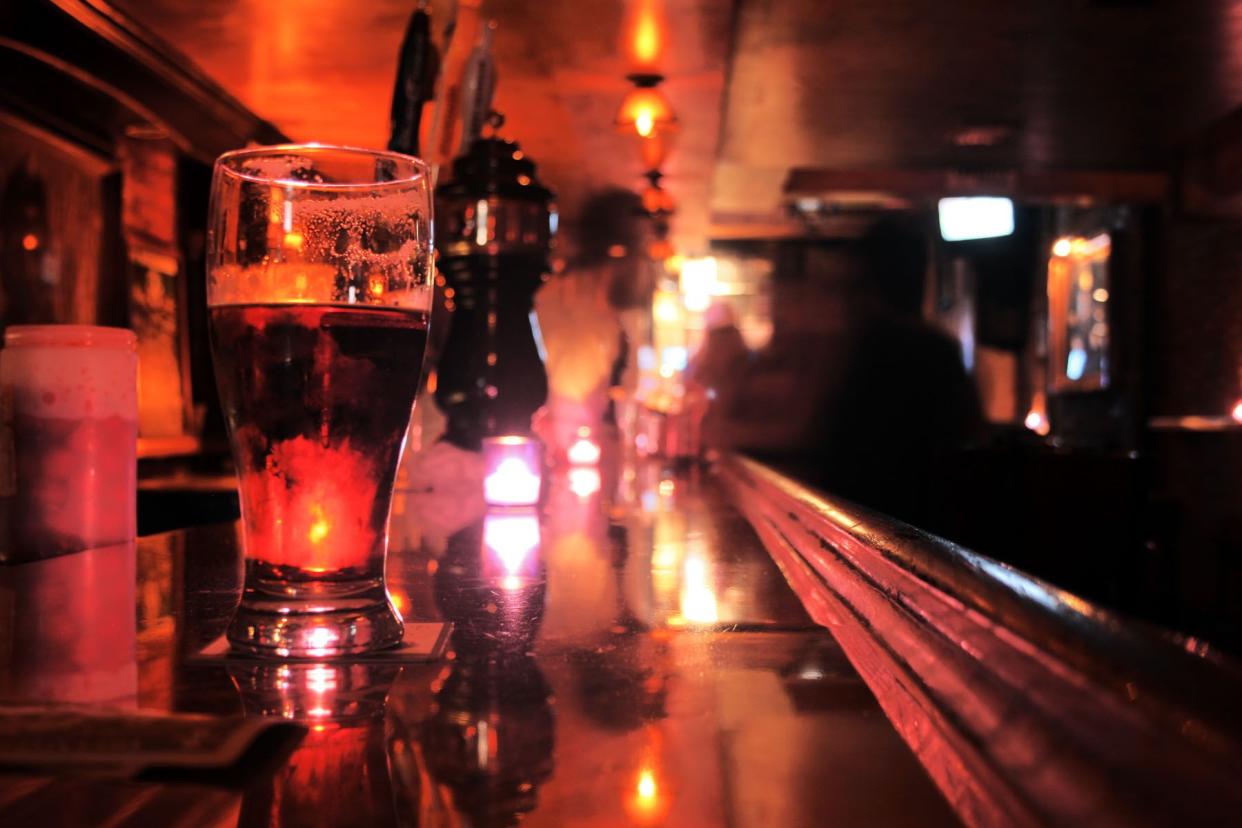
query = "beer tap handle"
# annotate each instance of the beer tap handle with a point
(416, 71)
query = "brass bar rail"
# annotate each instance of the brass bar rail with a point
(1026, 704)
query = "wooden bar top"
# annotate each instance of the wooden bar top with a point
(628, 656)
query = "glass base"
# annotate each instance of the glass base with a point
(320, 627)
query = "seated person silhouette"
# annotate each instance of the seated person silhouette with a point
(861, 398)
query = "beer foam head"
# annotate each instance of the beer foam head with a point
(301, 245)
(321, 225)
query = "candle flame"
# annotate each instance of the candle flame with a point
(511, 484)
(320, 528)
(583, 452)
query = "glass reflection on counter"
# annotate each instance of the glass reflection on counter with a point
(70, 632)
(331, 694)
(584, 482)
(698, 598)
(647, 803)
(339, 774)
(584, 451)
(511, 540)
(491, 732)
(691, 579)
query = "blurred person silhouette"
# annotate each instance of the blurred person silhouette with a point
(591, 313)
(857, 394)
(713, 375)
(723, 352)
(904, 402)
(768, 404)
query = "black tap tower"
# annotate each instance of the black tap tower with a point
(495, 228)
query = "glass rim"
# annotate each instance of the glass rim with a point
(70, 336)
(421, 169)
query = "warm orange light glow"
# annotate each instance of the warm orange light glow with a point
(1079, 246)
(311, 507)
(511, 484)
(644, 122)
(294, 239)
(511, 538)
(1037, 417)
(30, 242)
(654, 150)
(583, 452)
(666, 307)
(319, 641)
(647, 790)
(1237, 412)
(660, 250)
(645, 112)
(320, 679)
(584, 482)
(698, 598)
(375, 286)
(646, 36)
(697, 283)
(399, 602)
(648, 802)
(320, 527)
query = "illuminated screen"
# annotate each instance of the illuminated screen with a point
(977, 217)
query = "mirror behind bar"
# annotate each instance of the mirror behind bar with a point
(1026, 704)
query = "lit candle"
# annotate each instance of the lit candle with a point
(302, 516)
(513, 466)
(583, 452)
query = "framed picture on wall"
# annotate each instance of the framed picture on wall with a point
(1078, 313)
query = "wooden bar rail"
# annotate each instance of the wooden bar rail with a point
(1026, 704)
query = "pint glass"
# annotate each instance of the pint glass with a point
(319, 288)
